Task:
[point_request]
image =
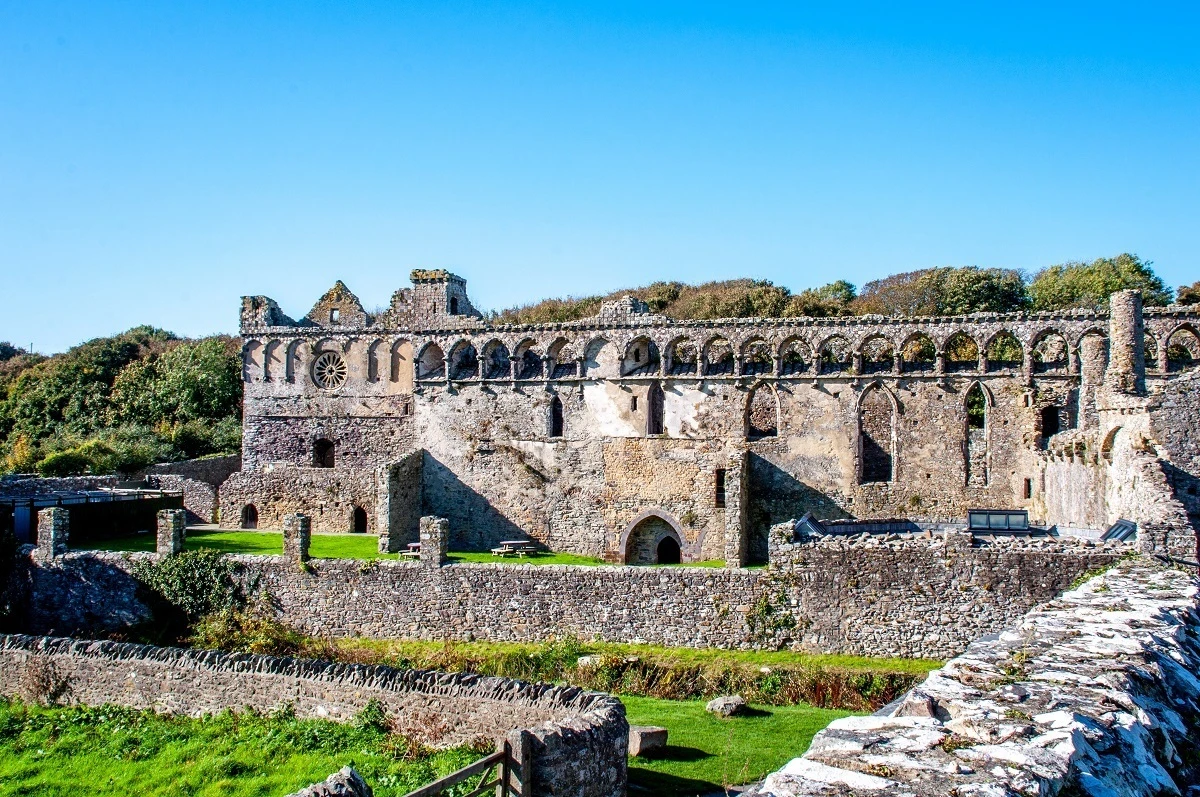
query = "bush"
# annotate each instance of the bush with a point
(182, 589)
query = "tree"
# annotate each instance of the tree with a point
(1088, 285)
(1188, 294)
(945, 291)
(829, 300)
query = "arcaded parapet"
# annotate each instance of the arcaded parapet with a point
(1091, 694)
(579, 737)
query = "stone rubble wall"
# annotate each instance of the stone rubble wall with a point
(328, 495)
(1093, 693)
(874, 596)
(28, 486)
(579, 737)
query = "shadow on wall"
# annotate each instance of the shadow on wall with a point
(776, 496)
(1186, 489)
(92, 595)
(475, 525)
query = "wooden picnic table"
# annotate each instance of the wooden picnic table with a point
(514, 547)
(413, 552)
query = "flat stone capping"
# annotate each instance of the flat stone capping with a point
(1093, 693)
(579, 737)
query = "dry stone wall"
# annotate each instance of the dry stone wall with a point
(1092, 694)
(918, 597)
(579, 737)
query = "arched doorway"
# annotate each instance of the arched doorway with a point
(360, 520)
(249, 517)
(668, 551)
(642, 542)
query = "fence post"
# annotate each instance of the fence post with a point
(519, 763)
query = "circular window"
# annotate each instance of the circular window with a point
(329, 371)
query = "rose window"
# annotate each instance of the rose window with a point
(329, 371)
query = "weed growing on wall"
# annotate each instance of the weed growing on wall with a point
(182, 589)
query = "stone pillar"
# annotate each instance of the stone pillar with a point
(435, 541)
(735, 510)
(297, 534)
(1126, 361)
(171, 530)
(54, 525)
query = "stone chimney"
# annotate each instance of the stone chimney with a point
(1126, 359)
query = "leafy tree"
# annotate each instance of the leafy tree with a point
(945, 291)
(829, 300)
(192, 381)
(1088, 285)
(1188, 294)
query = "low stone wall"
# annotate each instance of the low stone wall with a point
(913, 597)
(579, 737)
(1094, 693)
(28, 486)
(329, 496)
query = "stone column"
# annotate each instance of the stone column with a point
(1126, 361)
(54, 525)
(735, 510)
(435, 540)
(171, 530)
(297, 534)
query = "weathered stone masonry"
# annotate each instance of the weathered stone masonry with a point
(877, 596)
(578, 738)
(570, 433)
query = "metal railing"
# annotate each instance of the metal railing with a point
(508, 771)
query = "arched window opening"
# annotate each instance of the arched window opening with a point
(668, 552)
(360, 520)
(1050, 354)
(497, 363)
(1004, 352)
(718, 357)
(654, 409)
(962, 353)
(976, 437)
(642, 543)
(1150, 352)
(249, 519)
(793, 360)
(918, 354)
(682, 357)
(1183, 350)
(464, 362)
(1050, 421)
(835, 356)
(641, 358)
(762, 413)
(878, 356)
(877, 424)
(556, 417)
(323, 453)
(453, 305)
(432, 363)
(756, 358)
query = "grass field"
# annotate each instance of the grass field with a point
(705, 752)
(118, 752)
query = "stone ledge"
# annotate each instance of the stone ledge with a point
(1093, 691)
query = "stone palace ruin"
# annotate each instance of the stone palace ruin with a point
(644, 439)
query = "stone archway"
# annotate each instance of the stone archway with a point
(641, 542)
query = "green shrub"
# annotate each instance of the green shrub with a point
(182, 589)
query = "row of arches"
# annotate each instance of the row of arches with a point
(393, 361)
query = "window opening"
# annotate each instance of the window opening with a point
(453, 306)
(1029, 488)
(654, 415)
(333, 315)
(323, 454)
(633, 404)
(556, 417)
(1050, 425)
(720, 485)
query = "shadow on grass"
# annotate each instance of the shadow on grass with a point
(676, 753)
(645, 781)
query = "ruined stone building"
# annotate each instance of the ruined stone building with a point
(640, 438)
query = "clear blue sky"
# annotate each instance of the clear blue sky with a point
(159, 160)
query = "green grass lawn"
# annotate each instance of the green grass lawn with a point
(64, 752)
(324, 546)
(705, 752)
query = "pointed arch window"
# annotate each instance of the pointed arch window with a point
(655, 409)
(556, 417)
(877, 433)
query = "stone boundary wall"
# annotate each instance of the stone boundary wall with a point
(1091, 694)
(211, 470)
(913, 598)
(579, 737)
(25, 486)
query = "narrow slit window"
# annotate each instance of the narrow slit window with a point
(720, 488)
(1029, 488)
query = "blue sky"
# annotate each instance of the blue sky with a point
(157, 161)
